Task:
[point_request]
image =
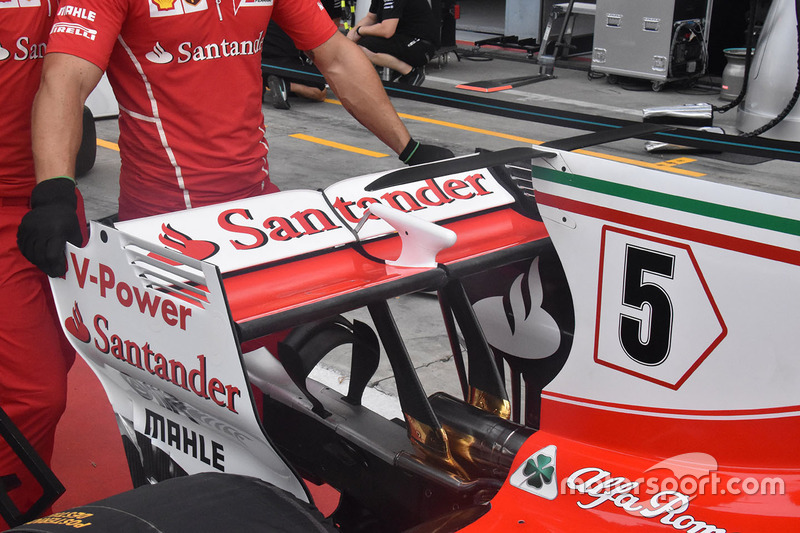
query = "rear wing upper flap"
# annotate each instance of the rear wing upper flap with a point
(257, 231)
(308, 252)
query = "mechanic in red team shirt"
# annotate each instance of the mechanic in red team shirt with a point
(187, 77)
(34, 355)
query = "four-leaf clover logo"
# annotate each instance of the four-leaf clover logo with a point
(537, 474)
(539, 470)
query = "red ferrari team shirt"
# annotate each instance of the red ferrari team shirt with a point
(24, 25)
(187, 77)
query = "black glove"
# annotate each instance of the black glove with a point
(52, 221)
(416, 153)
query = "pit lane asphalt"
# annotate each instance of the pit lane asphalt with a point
(315, 144)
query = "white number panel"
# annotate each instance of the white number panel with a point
(657, 318)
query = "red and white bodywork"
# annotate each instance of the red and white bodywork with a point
(677, 407)
(650, 319)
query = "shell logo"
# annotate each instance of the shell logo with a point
(164, 5)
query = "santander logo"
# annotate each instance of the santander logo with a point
(528, 332)
(76, 327)
(184, 244)
(159, 55)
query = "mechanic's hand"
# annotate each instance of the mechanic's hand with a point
(51, 222)
(416, 153)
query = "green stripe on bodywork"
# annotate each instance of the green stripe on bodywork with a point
(680, 203)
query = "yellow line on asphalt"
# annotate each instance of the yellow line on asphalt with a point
(471, 129)
(340, 146)
(663, 165)
(108, 144)
(677, 161)
(668, 166)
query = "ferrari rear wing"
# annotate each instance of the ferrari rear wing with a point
(320, 253)
(159, 307)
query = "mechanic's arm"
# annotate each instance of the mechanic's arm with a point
(385, 28)
(368, 20)
(57, 119)
(57, 122)
(356, 83)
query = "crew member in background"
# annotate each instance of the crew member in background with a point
(400, 35)
(279, 50)
(34, 355)
(187, 77)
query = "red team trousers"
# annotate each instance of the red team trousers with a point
(34, 355)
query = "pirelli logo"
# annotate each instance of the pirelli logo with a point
(75, 29)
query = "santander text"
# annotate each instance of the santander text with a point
(312, 221)
(143, 356)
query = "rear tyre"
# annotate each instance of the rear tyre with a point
(88, 149)
(200, 503)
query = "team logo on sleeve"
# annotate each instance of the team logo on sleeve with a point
(74, 29)
(169, 8)
(9, 4)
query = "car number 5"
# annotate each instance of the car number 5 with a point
(646, 341)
